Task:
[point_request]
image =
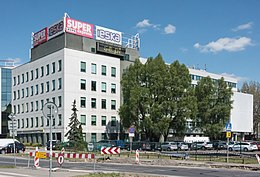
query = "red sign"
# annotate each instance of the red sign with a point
(110, 150)
(79, 28)
(40, 37)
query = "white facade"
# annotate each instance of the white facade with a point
(65, 80)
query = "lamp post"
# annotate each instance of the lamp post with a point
(12, 117)
(50, 111)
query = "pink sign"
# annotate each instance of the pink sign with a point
(79, 28)
(40, 37)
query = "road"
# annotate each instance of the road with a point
(77, 167)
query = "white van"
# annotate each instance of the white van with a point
(191, 139)
(4, 142)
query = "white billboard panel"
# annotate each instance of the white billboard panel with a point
(108, 35)
(55, 29)
(242, 112)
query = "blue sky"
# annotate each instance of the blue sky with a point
(222, 35)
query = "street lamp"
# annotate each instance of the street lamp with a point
(12, 117)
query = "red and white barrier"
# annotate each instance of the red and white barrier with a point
(110, 150)
(68, 155)
(36, 159)
(137, 156)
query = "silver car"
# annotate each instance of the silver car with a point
(169, 146)
(243, 146)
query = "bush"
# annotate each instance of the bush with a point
(27, 144)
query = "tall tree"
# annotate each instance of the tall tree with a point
(75, 135)
(214, 106)
(254, 88)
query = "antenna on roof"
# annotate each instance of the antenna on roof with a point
(66, 15)
(205, 67)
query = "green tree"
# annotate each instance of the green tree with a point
(254, 88)
(75, 135)
(214, 106)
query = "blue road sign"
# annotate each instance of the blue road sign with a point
(228, 126)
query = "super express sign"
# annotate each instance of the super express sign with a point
(79, 28)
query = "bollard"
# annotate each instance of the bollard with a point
(36, 158)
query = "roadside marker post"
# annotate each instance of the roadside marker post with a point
(137, 157)
(36, 158)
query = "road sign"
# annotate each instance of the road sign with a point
(228, 126)
(41, 155)
(50, 109)
(228, 134)
(11, 132)
(12, 124)
(60, 159)
(110, 150)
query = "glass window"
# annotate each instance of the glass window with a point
(36, 89)
(83, 102)
(59, 101)
(104, 70)
(113, 88)
(22, 78)
(22, 123)
(18, 94)
(22, 93)
(14, 95)
(36, 122)
(53, 100)
(53, 85)
(93, 68)
(47, 86)
(18, 109)
(48, 122)
(83, 66)
(36, 73)
(93, 102)
(93, 86)
(113, 104)
(31, 90)
(53, 121)
(42, 104)
(47, 70)
(27, 122)
(18, 122)
(113, 121)
(42, 87)
(32, 75)
(42, 71)
(82, 84)
(27, 91)
(23, 108)
(83, 119)
(103, 136)
(93, 137)
(14, 109)
(18, 79)
(31, 121)
(93, 120)
(59, 124)
(42, 121)
(31, 106)
(104, 86)
(53, 67)
(14, 81)
(36, 105)
(103, 121)
(103, 104)
(113, 72)
(59, 80)
(27, 76)
(59, 65)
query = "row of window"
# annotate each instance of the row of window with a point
(83, 68)
(38, 88)
(93, 120)
(94, 86)
(34, 106)
(35, 74)
(94, 103)
(35, 122)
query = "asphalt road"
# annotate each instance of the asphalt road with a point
(81, 167)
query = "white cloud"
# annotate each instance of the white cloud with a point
(227, 44)
(169, 29)
(243, 26)
(240, 79)
(143, 24)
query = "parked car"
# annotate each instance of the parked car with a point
(219, 144)
(243, 146)
(182, 146)
(202, 145)
(102, 143)
(9, 148)
(169, 146)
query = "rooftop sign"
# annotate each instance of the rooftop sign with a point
(108, 35)
(79, 28)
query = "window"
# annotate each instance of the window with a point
(22, 78)
(42, 104)
(47, 86)
(59, 65)
(27, 91)
(113, 104)
(93, 102)
(42, 121)
(59, 101)
(93, 68)
(36, 89)
(36, 73)
(53, 85)
(31, 121)
(113, 121)
(14, 95)
(113, 72)
(31, 90)
(53, 100)
(48, 123)
(22, 93)
(59, 82)
(42, 87)
(47, 100)
(113, 88)
(22, 108)
(36, 122)
(53, 67)
(83, 119)
(83, 102)
(27, 76)
(31, 75)
(18, 109)
(103, 104)
(59, 116)
(93, 137)
(93, 120)
(82, 84)
(18, 94)
(36, 105)
(103, 136)
(53, 121)
(104, 70)
(18, 122)
(18, 80)
(22, 123)
(27, 122)
(47, 70)
(93, 86)
(104, 86)
(14, 109)
(42, 71)
(14, 81)
(103, 121)
(31, 106)
(83, 66)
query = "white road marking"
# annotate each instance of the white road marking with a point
(5, 174)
